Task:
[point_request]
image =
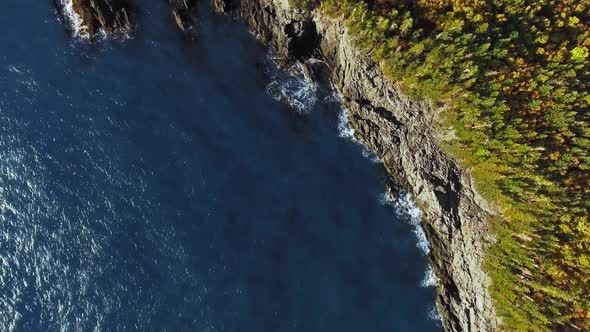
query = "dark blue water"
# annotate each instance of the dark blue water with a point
(153, 184)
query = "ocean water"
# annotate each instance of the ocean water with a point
(162, 184)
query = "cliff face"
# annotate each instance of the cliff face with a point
(399, 131)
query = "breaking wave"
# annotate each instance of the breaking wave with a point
(408, 211)
(79, 30)
(347, 132)
(405, 209)
(294, 87)
(344, 128)
(73, 19)
(430, 279)
(434, 315)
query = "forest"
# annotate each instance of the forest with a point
(514, 78)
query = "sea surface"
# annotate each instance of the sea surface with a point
(158, 183)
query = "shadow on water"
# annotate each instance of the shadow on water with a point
(153, 184)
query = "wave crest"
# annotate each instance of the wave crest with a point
(430, 279)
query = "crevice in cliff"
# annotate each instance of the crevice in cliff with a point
(304, 39)
(382, 111)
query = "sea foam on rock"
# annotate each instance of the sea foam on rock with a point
(92, 18)
(294, 87)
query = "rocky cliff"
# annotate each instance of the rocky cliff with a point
(401, 132)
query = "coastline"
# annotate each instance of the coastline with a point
(399, 131)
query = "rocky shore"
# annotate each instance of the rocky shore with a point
(401, 132)
(396, 128)
(89, 17)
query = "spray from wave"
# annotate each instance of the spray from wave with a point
(294, 87)
(347, 132)
(407, 210)
(79, 30)
(434, 315)
(344, 128)
(430, 279)
(75, 21)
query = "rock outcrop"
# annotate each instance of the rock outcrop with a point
(113, 17)
(400, 131)
(182, 11)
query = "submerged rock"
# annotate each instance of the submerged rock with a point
(89, 17)
(182, 11)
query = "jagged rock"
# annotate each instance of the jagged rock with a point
(224, 6)
(400, 131)
(112, 16)
(182, 12)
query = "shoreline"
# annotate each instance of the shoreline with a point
(400, 132)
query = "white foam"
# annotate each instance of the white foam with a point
(75, 21)
(407, 210)
(386, 199)
(344, 129)
(347, 132)
(371, 156)
(294, 87)
(434, 315)
(102, 34)
(430, 279)
(14, 69)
